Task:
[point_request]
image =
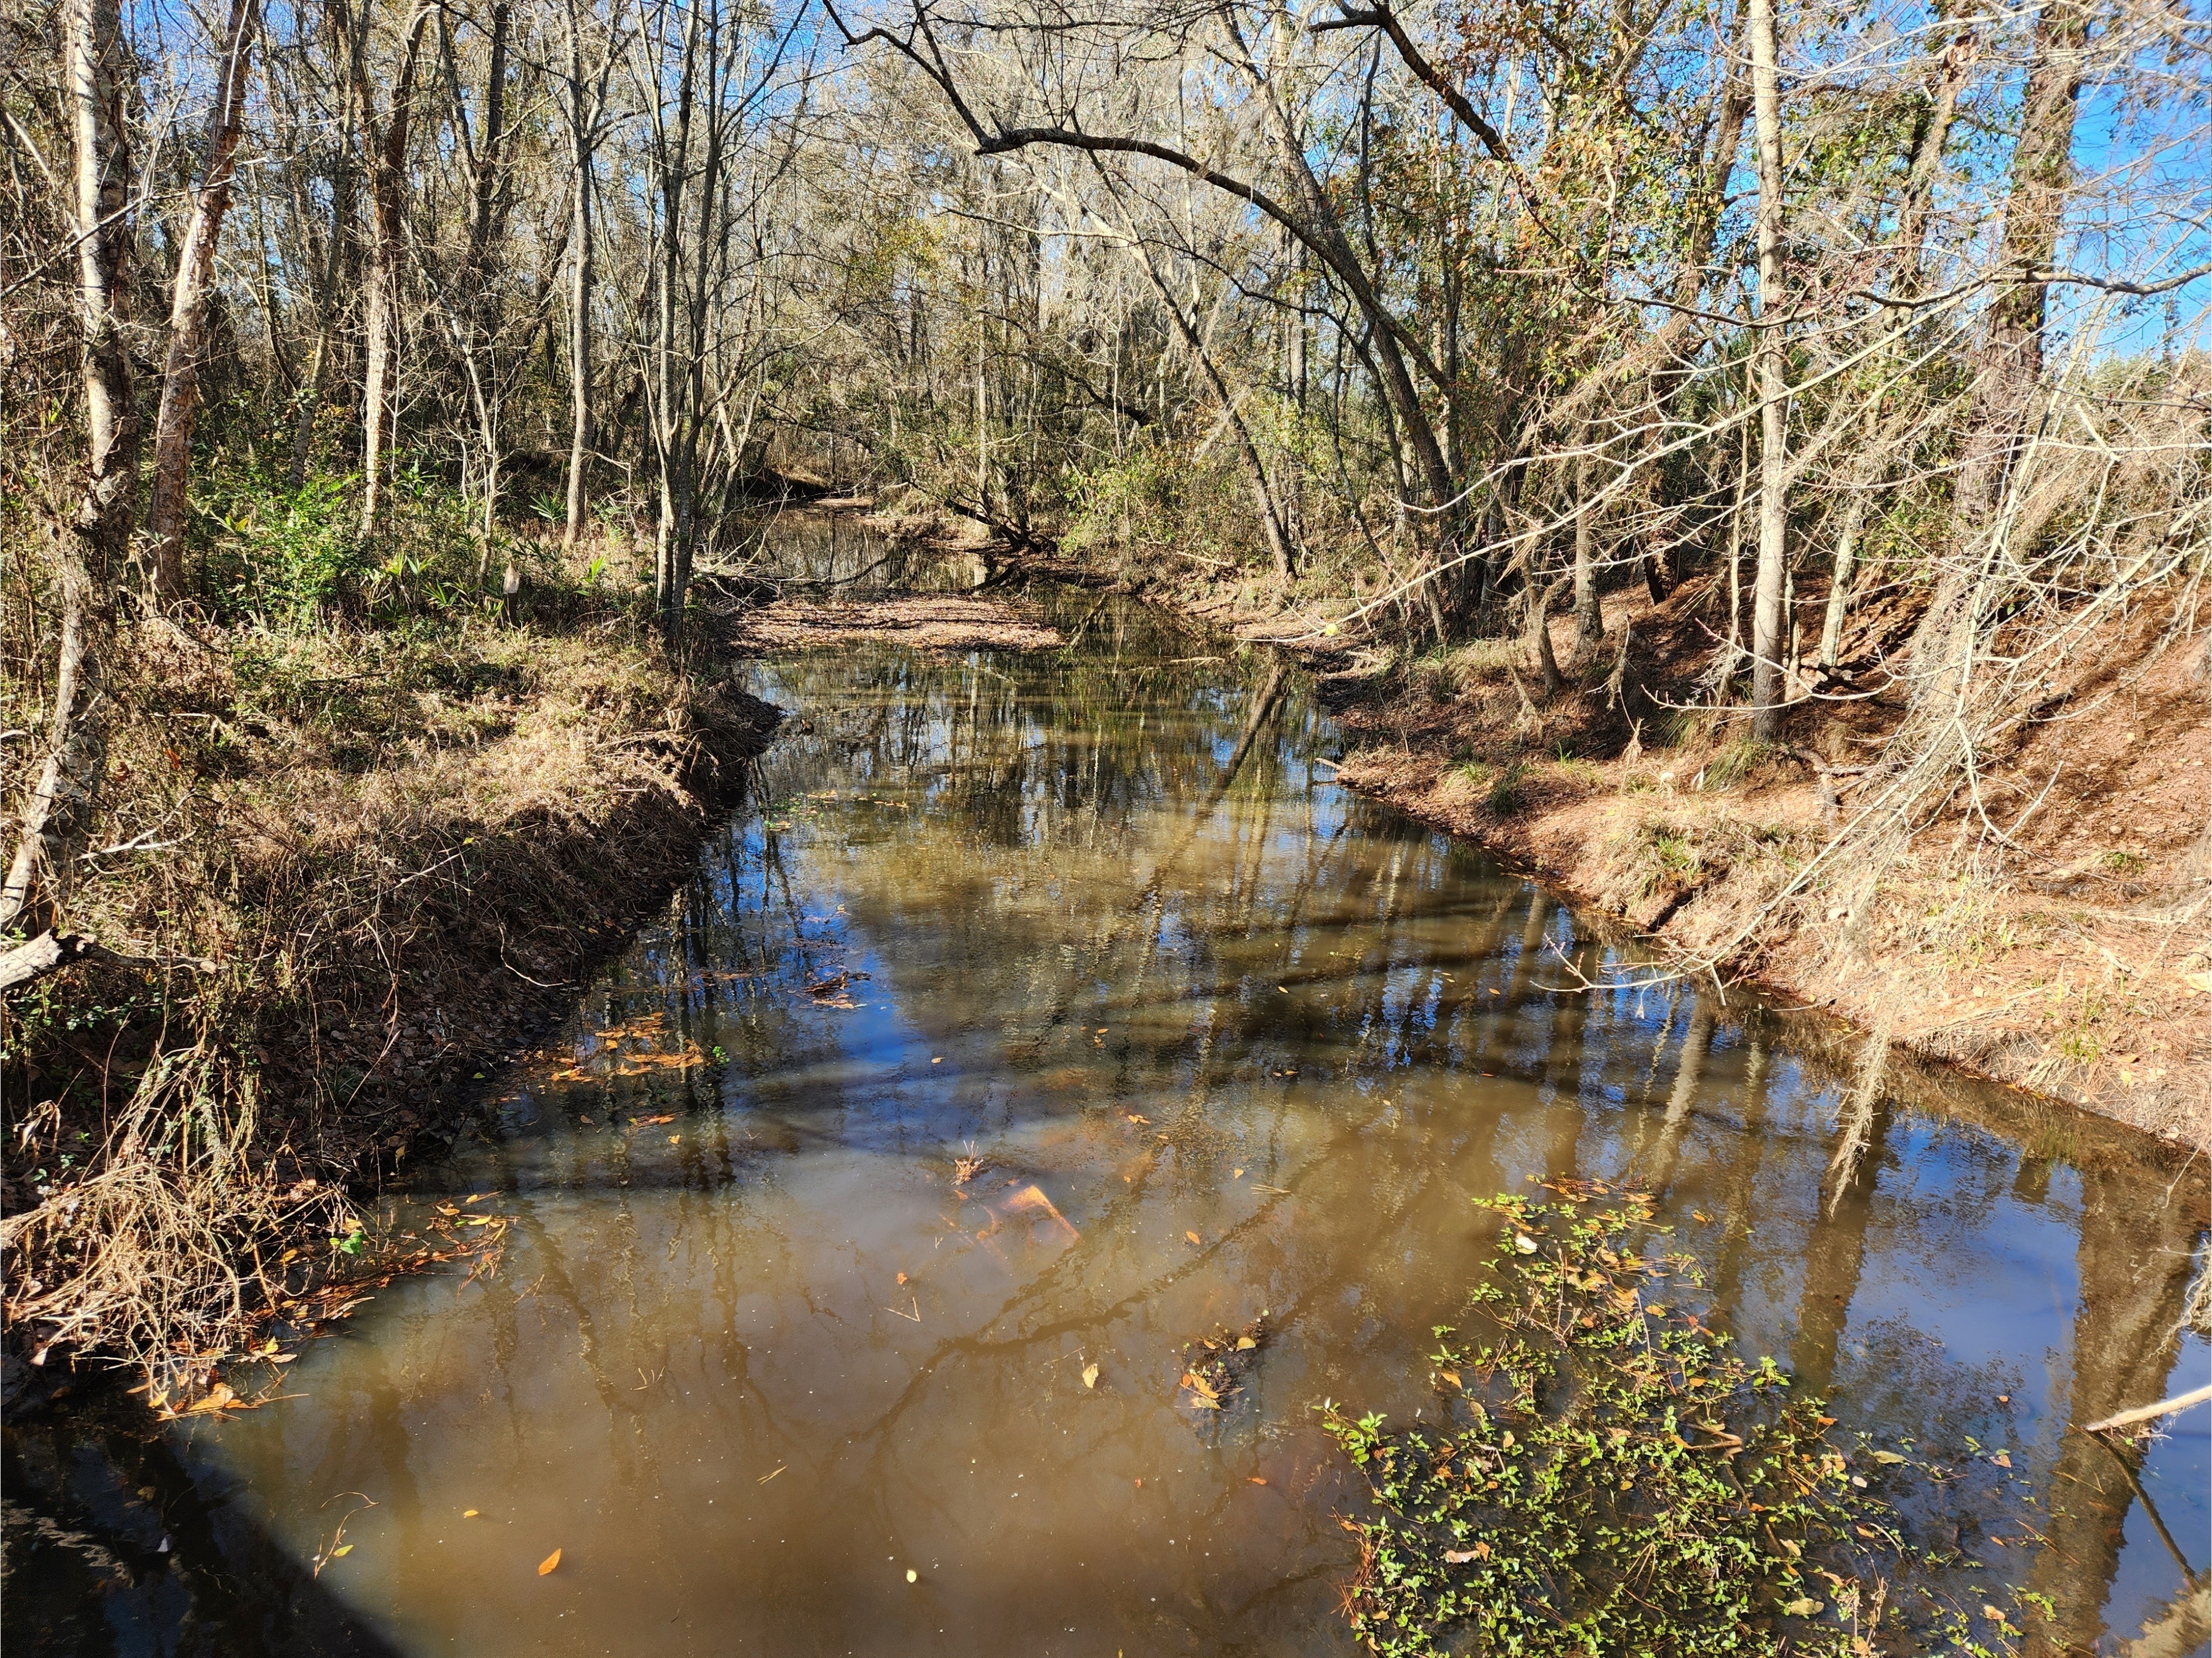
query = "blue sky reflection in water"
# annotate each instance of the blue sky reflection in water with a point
(1213, 1036)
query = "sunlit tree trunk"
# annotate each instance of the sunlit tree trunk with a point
(1589, 622)
(343, 191)
(480, 307)
(2011, 352)
(92, 544)
(188, 306)
(1767, 689)
(583, 125)
(388, 162)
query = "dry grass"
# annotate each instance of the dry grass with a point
(352, 863)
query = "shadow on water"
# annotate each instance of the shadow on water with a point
(1048, 1012)
(115, 1546)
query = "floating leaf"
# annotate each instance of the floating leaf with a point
(1806, 1608)
(1090, 1375)
(341, 1552)
(469, 1514)
(1524, 1243)
(1254, 1479)
(1192, 1236)
(1245, 1343)
(219, 1397)
(546, 1567)
(1887, 1458)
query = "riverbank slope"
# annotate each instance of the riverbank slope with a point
(2047, 931)
(342, 869)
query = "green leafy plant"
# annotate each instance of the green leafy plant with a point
(278, 554)
(1612, 1476)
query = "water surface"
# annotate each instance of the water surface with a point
(1047, 1012)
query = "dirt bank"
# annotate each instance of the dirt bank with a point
(2052, 935)
(924, 622)
(345, 873)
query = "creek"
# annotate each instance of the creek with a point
(1051, 1011)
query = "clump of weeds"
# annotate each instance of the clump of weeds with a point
(1507, 791)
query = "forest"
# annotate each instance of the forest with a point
(393, 383)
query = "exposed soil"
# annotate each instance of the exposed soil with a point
(931, 622)
(2069, 956)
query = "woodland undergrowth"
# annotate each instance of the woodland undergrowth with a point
(360, 820)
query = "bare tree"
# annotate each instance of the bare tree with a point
(387, 238)
(188, 306)
(1767, 690)
(91, 546)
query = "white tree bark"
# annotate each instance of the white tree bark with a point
(188, 307)
(1767, 688)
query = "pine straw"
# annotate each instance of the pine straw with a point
(354, 867)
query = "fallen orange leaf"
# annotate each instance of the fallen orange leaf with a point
(1192, 1236)
(546, 1566)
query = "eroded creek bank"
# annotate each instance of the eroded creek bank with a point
(1048, 1011)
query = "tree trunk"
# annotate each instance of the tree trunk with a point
(1767, 689)
(388, 159)
(1541, 600)
(582, 123)
(92, 546)
(188, 304)
(1589, 622)
(481, 315)
(1840, 585)
(342, 231)
(1324, 231)
(2012, 350)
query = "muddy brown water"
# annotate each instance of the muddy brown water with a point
(776, 1371)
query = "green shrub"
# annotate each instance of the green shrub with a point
(1612, 1477)
(276, 555)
